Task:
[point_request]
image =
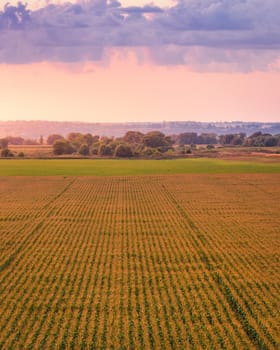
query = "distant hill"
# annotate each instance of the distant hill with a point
(35, 129)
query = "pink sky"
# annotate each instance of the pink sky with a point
(126, 88)
(127, 91)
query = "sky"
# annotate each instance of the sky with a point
(117, 61)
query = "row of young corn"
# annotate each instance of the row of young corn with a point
(236, 271)
(140, 262)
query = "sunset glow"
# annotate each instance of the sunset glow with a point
(205, 72)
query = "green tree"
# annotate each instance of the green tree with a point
(123, 150)
(156, 139)
(88, 139)
(73, 136)
(76, 139)
(105, 150)
(84, 150)
(133, 137)
(62, 147)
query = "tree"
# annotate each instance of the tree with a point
(52, 138)
(84, 150)
(76, 139)
(133, 137)
(105, 150)
(258, 139)
(187, 138)
(232, 139)
(123, 150)
(271, 141)
(73, 136)
(62, 147)
(6, 152)
(94, 148)
(59, 147)
(88, 139)
(95, 138)
(238, 139)
(207, 138)
(156, 139)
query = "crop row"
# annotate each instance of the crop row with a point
(159, 262)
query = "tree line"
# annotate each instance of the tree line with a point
(133, 143)
(154, 144)
(258, 139)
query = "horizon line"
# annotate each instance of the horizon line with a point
(140, 122)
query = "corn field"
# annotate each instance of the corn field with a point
(140, 262)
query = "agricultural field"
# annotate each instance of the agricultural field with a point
(124, 167)
(32, 151)
(188, 261)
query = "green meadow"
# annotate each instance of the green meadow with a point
(115, 167)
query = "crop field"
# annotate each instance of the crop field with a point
(140, 262)
(36, 151)
(123, 167)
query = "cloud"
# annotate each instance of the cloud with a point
(14, 17)
(244, 34)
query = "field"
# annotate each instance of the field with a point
(32, 151)
(117, 167)
(188, 261)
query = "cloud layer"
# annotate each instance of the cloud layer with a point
(214, 34)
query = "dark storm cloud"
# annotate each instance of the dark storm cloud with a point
(82, 31)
